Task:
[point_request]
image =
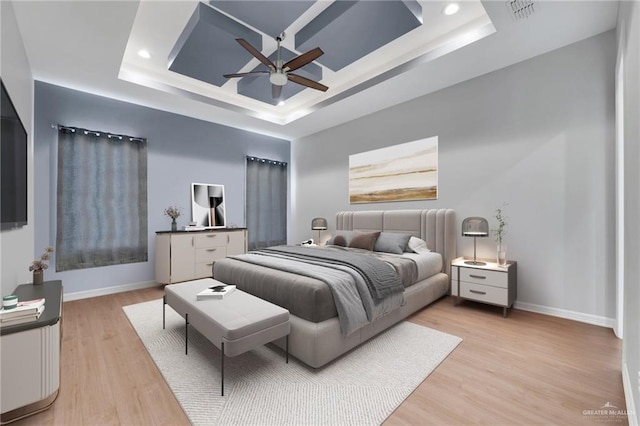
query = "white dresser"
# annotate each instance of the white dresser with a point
(184, 256)
(489, 283)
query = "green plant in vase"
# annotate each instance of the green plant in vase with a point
(499, 234)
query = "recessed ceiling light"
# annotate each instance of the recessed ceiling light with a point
(280, 103)
(144, 54)
(451, 9)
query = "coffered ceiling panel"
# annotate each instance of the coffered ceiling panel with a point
(350, 30)
(207, 48)
(270, 17)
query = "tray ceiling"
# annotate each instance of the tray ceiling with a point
(365, 42)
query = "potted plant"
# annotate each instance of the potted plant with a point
(39, 265)
(173, 212)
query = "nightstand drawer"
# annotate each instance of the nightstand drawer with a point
(484, 277)
(483, 293)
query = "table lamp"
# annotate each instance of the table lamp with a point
(475, 227)
(319, 224)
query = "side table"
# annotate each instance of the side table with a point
(30, 355)
(488, 283)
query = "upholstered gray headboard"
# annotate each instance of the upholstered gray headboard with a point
(436, 226)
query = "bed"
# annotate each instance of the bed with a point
(318, 333)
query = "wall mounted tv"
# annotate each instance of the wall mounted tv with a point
(13, 166)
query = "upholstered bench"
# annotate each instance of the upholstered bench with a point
(235, 324)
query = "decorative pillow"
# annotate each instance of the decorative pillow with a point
(363, 240)
(391, 242)
(345, 234)
(340, 240)
(417, 245)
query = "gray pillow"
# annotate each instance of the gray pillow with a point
(340, 240)
(391, 242)
(345, 234)
(364, 240)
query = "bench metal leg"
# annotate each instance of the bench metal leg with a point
(164, 305)
(222, 370)
(186, 334)
(287, 348)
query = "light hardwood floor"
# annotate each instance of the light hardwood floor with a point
(525, 369)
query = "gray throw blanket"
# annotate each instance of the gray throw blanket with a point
(381, 280)
(355, 304)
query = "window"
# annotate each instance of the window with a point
(101, 199)
(266, 202)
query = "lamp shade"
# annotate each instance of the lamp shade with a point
(475, 227)
(319, 224)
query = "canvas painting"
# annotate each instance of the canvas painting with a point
(404, 172)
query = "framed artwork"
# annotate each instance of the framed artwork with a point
(403, 172)
(207, 205)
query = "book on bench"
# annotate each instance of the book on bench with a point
(216, 292)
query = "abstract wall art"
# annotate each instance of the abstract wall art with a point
(403, 172)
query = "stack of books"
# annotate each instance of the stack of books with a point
(215, 292)
(26, 311)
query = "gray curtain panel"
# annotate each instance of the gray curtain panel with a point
(101, 200)
(266, 203)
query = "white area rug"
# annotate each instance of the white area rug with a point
(362, 387)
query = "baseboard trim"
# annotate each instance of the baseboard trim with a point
(563, 313)
(108, 290)
(628, 396)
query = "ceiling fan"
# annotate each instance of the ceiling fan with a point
(280, 71)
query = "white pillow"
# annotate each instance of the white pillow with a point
(417, 245)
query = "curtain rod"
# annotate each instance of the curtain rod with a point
(265, 160)
(96, 133)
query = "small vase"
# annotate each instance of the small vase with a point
(501, 255)
(38, 276)
(174, 225)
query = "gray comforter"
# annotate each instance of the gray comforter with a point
(363, 287)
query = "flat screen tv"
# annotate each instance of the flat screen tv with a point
(13, 166)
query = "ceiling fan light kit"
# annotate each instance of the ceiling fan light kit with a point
(280, 71)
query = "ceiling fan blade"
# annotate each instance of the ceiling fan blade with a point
(304, 59)
(276, 91)
(245, 74)
(255, 52)
(306, 82)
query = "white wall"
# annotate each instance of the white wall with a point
(538, 135)
(16, 245)
(628, 48)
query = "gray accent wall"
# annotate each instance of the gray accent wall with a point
(16, 245)
(538, 135)
(181, 151)
(628, 50)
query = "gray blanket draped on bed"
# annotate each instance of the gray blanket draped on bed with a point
(363, 287)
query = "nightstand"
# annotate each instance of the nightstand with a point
(490, 283)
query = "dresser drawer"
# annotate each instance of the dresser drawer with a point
(210, 254)
(211, 240)
(204, 270)
(484, 293)
(483, 277)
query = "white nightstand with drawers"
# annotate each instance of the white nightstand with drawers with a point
(489, 283)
